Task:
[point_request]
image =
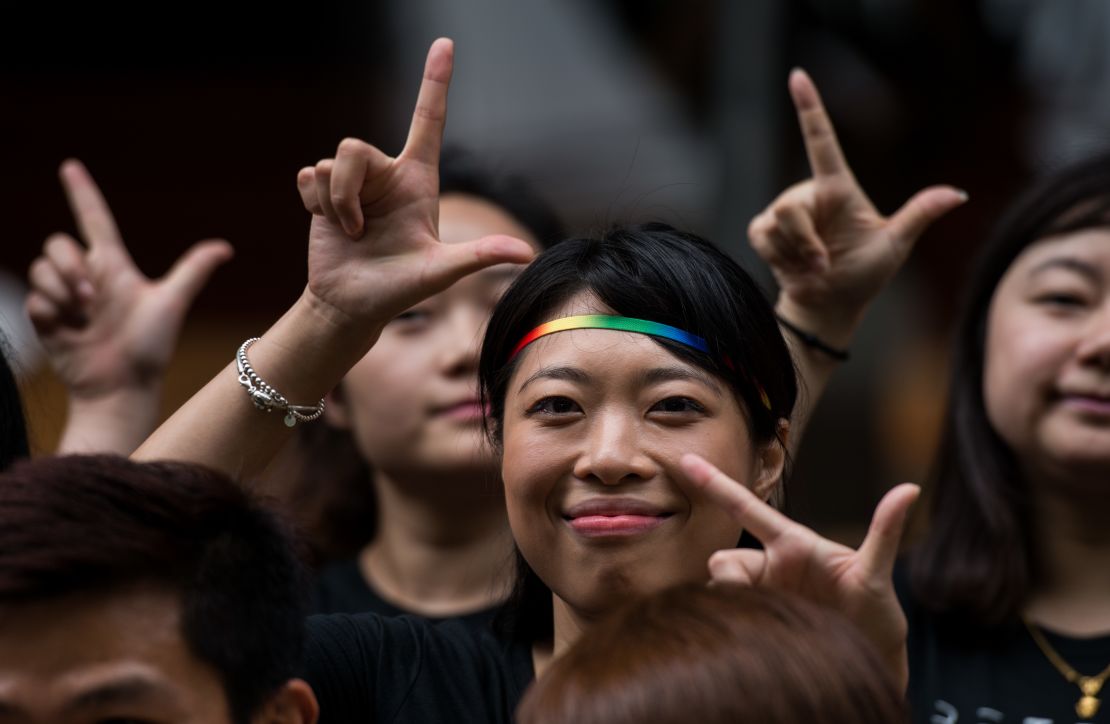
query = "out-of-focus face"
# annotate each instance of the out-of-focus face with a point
(1047, 367)
(106, 657)
(412, 401)
(595, 424)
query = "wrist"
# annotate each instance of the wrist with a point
(834, 327)
(307, 352)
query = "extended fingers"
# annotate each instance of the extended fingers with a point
(90, 210)
(430, 115)
(760, 519)
(880, 548)
(925, 207)
(818, 134)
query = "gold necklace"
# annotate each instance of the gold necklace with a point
(1088, 704)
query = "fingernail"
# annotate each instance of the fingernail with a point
(964, 196)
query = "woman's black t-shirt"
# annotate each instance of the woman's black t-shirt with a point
(960, 673)
(341, 588)
(371, 668)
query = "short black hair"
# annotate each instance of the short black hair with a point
(79, 523)
(654, 272)
(977, 559)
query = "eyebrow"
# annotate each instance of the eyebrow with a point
(556, 372)
(1071, 263)
(652, 376)
(666, 374)
(119, 691)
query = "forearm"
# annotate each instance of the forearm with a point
(114, 423)
(815, 367)
(304, 355)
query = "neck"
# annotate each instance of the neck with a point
(568, 626)
(1072, 542)
(442, 547)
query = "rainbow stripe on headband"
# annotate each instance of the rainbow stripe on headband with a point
(624, 324)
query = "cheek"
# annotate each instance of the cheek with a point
(1022, 359)
(384, 397)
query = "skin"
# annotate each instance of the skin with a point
(116, 656)
(108, 330)
(1046, 387)
(830, 250)
(584, 423)
(373, 253)
(411, 405)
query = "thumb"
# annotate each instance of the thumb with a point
(191, 272)
(925, 207)
(880, 548)
(457, 260)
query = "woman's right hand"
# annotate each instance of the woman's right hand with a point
(830, 249)
(374, 249)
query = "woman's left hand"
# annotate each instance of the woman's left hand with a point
(858, 583)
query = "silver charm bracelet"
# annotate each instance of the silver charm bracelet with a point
(266, 397)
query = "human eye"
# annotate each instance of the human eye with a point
(555, 406)
(678, 405)
(1061, 299)
(412, 320)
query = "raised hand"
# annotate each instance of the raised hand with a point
(830, 250)
(856, 582)
(374, 249)
(109, 330)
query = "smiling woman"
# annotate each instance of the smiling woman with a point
(629, 459)
(604, 512)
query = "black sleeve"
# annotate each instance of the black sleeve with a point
(362, 668)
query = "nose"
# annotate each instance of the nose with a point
(462, 344)
(614, 453)
(1094, 348)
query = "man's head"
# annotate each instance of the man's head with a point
(146, 592)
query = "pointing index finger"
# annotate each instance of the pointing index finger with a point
(822, 147)
(760, 519)
(90, 210)
(430, 115)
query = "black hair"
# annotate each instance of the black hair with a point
(77, 524)
(652, 272)
(977, 559)
(13, 425)
(332, 494)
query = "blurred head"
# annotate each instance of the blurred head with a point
(716, 656)
(1030, 394)
(13, 428)
(592, 423)
(145, 592)
(410, 407)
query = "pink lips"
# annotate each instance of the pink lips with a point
(614, 517)
(1092, 405)
(465, 411)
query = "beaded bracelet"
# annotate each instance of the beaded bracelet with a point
(265, 397)
(813, 341)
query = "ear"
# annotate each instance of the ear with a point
(770, 463)
(293, 703)
(337, 413)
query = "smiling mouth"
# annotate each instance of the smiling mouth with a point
(615, 526)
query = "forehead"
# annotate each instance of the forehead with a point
(463, 217)
(1090, 245)
(66, 650)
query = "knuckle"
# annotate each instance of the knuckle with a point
(351, 146)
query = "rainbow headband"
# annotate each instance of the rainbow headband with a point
(624, 324)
